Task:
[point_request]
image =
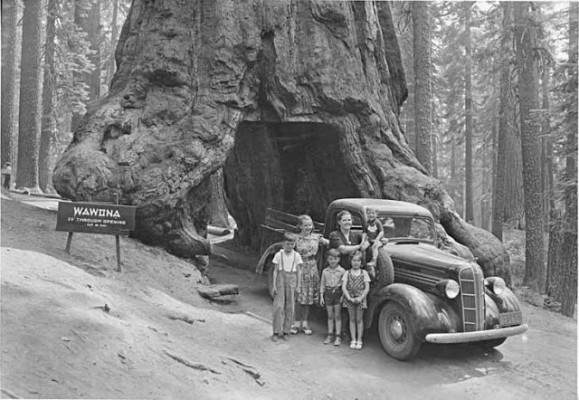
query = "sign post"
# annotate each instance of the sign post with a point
(101, 218)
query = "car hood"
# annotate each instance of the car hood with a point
(423, 254)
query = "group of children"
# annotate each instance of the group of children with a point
(337, 287)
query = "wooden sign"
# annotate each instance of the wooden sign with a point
(103, 218)
(100, 218)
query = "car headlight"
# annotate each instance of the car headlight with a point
(450, 288)
(496, 285)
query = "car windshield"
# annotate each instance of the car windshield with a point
(408, 227)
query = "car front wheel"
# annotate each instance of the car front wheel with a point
(396, 333)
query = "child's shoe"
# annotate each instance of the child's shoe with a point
(294, 330)
(359, 345)
(329, 339)
(307, 331)
(353, 344)
(338, 341)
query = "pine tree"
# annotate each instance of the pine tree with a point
(504, 114)
(9, 77)
(422, 78)
(468, 110)
(526, 27)
(48, 124)
(30, 95)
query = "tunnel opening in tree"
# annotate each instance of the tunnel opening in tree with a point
(295, 167)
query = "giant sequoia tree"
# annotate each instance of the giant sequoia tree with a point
(298, 101)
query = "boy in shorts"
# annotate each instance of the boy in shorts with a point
(331, 296)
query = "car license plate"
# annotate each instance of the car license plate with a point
(511, 318)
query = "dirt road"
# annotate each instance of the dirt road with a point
(541, 364)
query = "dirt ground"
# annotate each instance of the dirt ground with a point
(73, 327)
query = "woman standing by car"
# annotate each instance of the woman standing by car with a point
(307, 245)
(344, 240)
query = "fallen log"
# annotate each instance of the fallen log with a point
(215, 291)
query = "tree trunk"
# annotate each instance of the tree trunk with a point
(87, 18)
(422, 72)
(514, 197)
(469, 215)
(504, 114)
(30, 96)
(525, 42)
(9, 77)
(547, 154)
(569, 248)
(298, 101)
(48, 118)
(114, 38)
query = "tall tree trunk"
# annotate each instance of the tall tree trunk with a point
(114, 38)
(547, 154)
(87, 18)
(504, 114)
(422, 67)
(30, 95)
(469, 215)
(48, 121)
(514, 197)
(569, 247)
(525, 42)
(9, 78)
(95, 37)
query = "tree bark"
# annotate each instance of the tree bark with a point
(569, 247)
(48, 118)
(9, 118)
(468, 126)
(30, 96)
(504, 114)
(87, 18)
(198, 83)
(525, 41)
(547, 177)
(422, 73)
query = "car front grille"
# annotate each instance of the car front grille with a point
(472, 298)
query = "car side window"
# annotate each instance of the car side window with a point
(420, 229)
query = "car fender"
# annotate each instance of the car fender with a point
(428, 313)
(498, 304)
(269, 252)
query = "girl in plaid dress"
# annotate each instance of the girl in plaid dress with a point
(355, 286)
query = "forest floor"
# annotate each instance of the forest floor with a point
(74, 327)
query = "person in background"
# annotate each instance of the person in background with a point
(307, 246)
(371, 238)
(331, 296)
(6, 174)
(355, 286)
(286, 282)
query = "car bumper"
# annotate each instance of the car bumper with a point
(465, 337)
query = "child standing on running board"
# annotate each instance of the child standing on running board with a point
(286, 282)
(331, 296)
(356, 285)
(373, 233)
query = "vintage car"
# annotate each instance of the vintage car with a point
(421, 293)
